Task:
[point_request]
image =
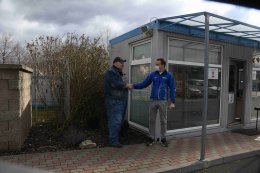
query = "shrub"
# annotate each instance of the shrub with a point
(82, 62)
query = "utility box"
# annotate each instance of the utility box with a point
(15, 105)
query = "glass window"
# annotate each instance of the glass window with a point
(140, 99)
(177, 53)
(194, 55)
(255, 92)
(256, 64)
(142, 51)
(180, 50)
(189, 97)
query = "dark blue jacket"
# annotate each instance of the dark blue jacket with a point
(114, 84)
(161, 83)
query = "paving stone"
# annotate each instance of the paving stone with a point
(138, 158)
(120, 170)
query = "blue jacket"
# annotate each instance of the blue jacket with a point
(115, 85)
(161, 83)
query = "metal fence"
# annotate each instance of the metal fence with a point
(50, 97)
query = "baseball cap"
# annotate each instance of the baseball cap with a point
(119, 59)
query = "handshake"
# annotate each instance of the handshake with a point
(129, 86)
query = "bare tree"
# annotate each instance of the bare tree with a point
(7, 48)
(19, 53)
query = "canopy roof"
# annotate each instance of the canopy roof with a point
(220, 28)
(217, 23)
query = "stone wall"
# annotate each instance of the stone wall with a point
(15, 105)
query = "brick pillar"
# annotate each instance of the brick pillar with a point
(15, 105)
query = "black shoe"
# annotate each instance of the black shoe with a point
(164, 142)
(116, 145)
(150, 142)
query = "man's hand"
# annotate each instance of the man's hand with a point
(172, 105)
(129, 86)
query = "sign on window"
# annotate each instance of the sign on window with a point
(213, 73)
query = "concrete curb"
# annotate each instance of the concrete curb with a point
(199, 165)
(12, 168)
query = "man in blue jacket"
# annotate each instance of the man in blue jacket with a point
(162, 81)
(116, 92)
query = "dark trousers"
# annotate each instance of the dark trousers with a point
(116, 109)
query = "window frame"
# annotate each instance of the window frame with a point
(188, 63)
(133, 63)
(251, 109)
(133, 45)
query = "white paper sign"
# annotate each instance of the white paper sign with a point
(213, 73)
(231, 98)
(254, 75)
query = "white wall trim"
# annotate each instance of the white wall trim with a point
(140, 127)
(192, 128)
(141, 61)
(192, 63)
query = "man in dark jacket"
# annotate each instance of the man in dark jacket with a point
(116, 92)
(162, 81)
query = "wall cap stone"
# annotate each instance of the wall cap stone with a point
(19, 67)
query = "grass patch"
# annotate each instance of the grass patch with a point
(50, 114)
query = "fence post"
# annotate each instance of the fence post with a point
(35, 83)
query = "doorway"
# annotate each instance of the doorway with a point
(236, 92)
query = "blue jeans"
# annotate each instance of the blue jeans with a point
(115, 115)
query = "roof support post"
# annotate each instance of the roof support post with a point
(205, 96)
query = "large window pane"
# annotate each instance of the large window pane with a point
(189, 97)
(255, 92)
(177, 53)
(194, 55)
(256, 64)
(139, 110)
(142, 51)
(180, 50)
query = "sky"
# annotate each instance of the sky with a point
(26, 20)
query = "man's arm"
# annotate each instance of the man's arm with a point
(112, 79)
(144, 84)
(172, 88)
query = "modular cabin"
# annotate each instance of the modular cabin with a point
(233, 71)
